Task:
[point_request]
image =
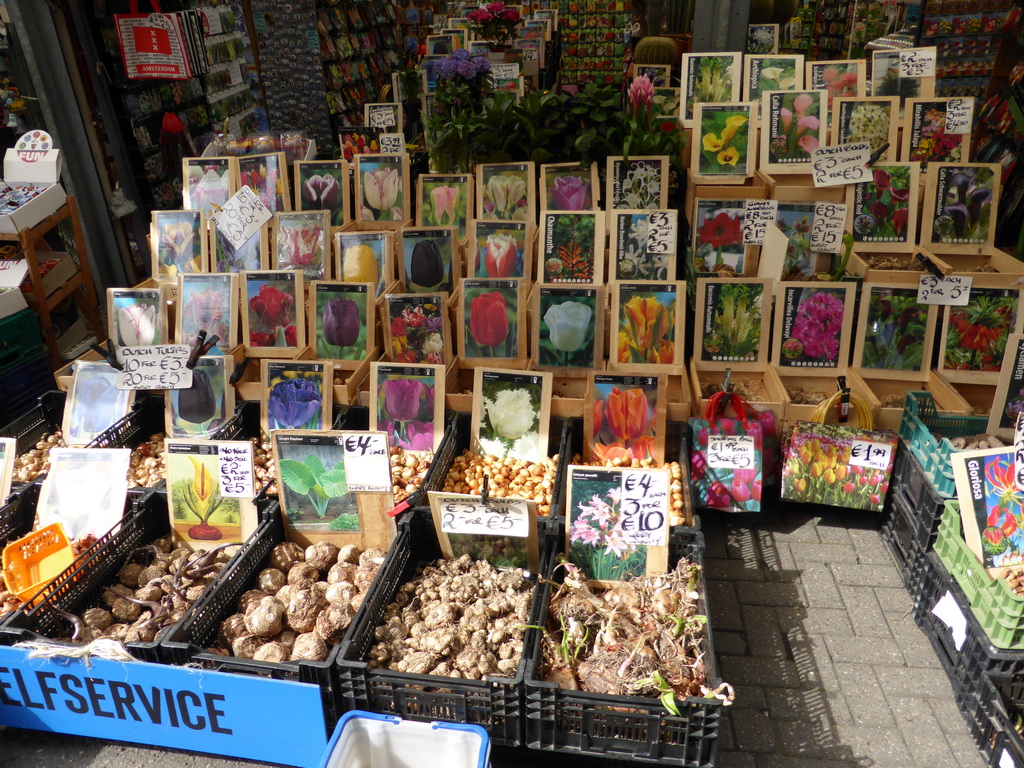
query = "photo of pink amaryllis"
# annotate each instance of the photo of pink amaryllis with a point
(793, 123)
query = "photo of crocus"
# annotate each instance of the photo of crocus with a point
(198, 509)
(646, 325)
(568, 189)
(864, 122)
(928, 138)
(362, 258)
(382, 189)
(301, 242)
(500, 249)
(509, 424)
(771, 74)
(202, 409)
(881, 207)
(633, 260)
(724, 131)
(792, 123)
(322, 187)
(265, 175)
(637, 184)
(504, 194)
(138, 317)
(812, 324)
(569, 247)
(597, 541)
(178, 242)
(205, 304)
(567, 328)
(428, 260)
(491, 321)
(208, 184)
(976, 334)
(894, 330)
(963, 205)
(624, 419)
(732, 321)
(341, 329)
(445, 202)
(294, 396)
(718, 237)
(416, 327)
(227, 258)
(271, 305)
(707, 78)
(404, 406)
(314, 484)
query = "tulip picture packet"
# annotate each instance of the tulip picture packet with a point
(881, 212)
(302, 242)
(210, 491)
(990, 507)
(792, 126)
(649, 326)
(974, 336)
(429, 259)
(273, 318)
(207, 302)
(296, 394)
(94, 403)
(874, 120)
(626, 418)
(252, 255)
(365, 257)
(322, 185)
(643, 244)
(317, 475)
(569, 187)
(895, 333)
(771, 73)
(382, 190)
(491, 329)
(506, 192)
(207, 182)
(407, 402)
(203, 409)
(568, 329)
(732, 323)
(84, 490)
(500, 249)
(958, 214)
(636, 183)
(136, 317)
(178, 243)
(342, 323)
(267, 176)
(725, 142)
(416, 328)
(572, 247)
(444, 200)
(813, 326)
(511, 413)
(503, 531)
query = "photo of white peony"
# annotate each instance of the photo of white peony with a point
(509, 419)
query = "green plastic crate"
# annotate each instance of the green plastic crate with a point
(999, 609)
(20, 339)
(919, 426)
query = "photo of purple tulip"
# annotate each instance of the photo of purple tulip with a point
(340, 318)
(341, 322)
(570, 192)
(405, 410)
(295, 403)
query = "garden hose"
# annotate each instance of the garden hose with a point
(860, 406)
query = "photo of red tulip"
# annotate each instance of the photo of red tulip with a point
(500, 249)
(491, 318)
(271, 304)
(624, 417)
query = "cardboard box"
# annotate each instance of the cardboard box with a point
(61, 268)
(36, 169)
(11, 298)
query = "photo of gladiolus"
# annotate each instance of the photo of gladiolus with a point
(271, 313)
(597, 542)
(965, 194)
(262, 174)
(736, 322)
(818, 468)
(205, 305)
(977, 333)
(647, 327)
(724, 133)
(718, 239)
(491, 323)
(138, 322)
(417, 331)
(570, 192)
(627, 419)
(383, 196)
(814, 325)
(179, 242)
(567, 331)
(792, 122)
(341, 332)
(405, 410)
(320, 189)
(504, 196)
(295, 401)
(510, 419)
(882, 206)
(301, 243)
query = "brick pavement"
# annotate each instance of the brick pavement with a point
(812, 626)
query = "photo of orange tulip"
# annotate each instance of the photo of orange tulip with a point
(624, 418)
(647, 326)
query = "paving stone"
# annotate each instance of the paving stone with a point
(963, 749)
(807, 739)
(813, 661)
(942, 703)
(764, 636)
(795, 527)
(877, 747)
(914, 644)
(876, 651)
(816, 621)
(726, 740)
(864, 612)
(750, 697)
(741, 544)
(837, 707)
(864, 696)
(867, 575)
(788, 761)
(790, 703)
(724, 607)
(736, 570)
(820, 587)
(753, 731)
(823, 553)
(921, 730)
(869, 546)
(916, 681)
(750, 670)
(714, 536)
(731, 642)
(832, 530)
(778, 562)
(734, 760)
(768, 593)
(894, 599)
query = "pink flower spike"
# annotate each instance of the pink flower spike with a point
(808, 143)
(802, 102)
(787, 118)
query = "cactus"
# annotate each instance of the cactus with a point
(655, 50)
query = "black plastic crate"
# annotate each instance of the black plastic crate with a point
(919, 495)
(898, 532)
(187, 643)
(22, 386)
(495, 704)
(46, 417)
(626, 727)
(17, 515)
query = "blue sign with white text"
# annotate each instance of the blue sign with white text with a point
(243, 716)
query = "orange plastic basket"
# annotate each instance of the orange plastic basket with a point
(36, 559)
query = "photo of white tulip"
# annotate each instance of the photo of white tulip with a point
(567, 328)
(381, 188)
(136, 317)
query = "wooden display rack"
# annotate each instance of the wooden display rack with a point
(79, 286)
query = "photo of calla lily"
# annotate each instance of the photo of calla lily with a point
(491, 322)
(314, 484)
(597, 541)
(510, 417)
(263, 174)
(404, 406)
(894, 330)
(208, 183)
(646, 326)
(504, 195)
(567, 329)
(445, 204)
(882, 206)
(569, 247)
(301, 242)
(202, 409)
(792, 123)
(199, 511)
(724, 132)
(341, 330)
(322, 187)
(416, 327)
(718, 238)
(428, 260)
(205, 304)
(295, 396)
(633, 260)
(500, 250)
(665, 103)
(248, 257)
(772, 74)
(964, 197)
(178, 238)
(624, 420)
(363, 258)
(382, 189)
(272, 307)
(568, 190)
(977, 333)
(138, 317)
(734, 311)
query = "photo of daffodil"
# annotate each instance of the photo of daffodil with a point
(597, 541)
(444, 201)
(500, 249)
(504, 193)
(731, 321)
(380, 183)
(709, 78)
(724, 131)
(792, 124)
(646, 325)
(718, 237)
(177, 239)
(624, 417)
(510, 415)
(976, 334)
(266, 175)
(567, 327)
(199, 511)
(772, 73)
(990, 496)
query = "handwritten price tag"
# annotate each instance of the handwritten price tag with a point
(381, 117)
(160, 366)
(236, 472)
(959, 115)
(871, 455)
(758, 215)
(531, 54)
(1018, 451)
(841, 164)
(499, 517)
(645, 507)
(731, 452)
(504, 71)
(918, 62)
(661, 236)
(947, 292)
(392, 144)
(242, 216)
(829, 225)
(367, 466)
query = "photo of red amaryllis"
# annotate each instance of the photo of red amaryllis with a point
(624, 420)
(718, 240)
(271, 312)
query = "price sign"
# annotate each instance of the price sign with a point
(380, 116)
(950, 614)
(235, 464)
(392, 144)
(504, 71)
(947, 292)
(498, 517)
(1018, 451)
(959, 115)
(758, 215)
(645, 507)
(661, 236)
(917, 62)
(531, 54)
(367, 466)
(241, 217)
(160, 366)
(841, 164)
(731, 452)
(829, 225)
(871, 455)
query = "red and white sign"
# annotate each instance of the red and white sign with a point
(152, 46)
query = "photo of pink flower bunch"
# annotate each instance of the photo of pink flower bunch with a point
(928, 138)
(597, 542)
(837, 78)
(811, 327)
(794, 120)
